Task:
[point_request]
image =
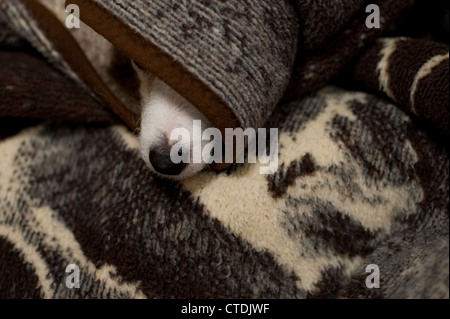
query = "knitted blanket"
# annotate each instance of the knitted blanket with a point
(362, 182)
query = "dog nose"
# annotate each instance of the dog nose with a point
(163, 164)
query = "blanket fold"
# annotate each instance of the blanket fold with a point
(348, 193)
(359, 182)
(235, 61)
(36, 24)
(414, 73)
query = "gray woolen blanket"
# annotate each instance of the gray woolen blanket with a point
(362, 177)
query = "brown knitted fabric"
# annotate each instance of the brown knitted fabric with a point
(38, 26)
(314, 68)
(321, 20)
(414, 73)
(40, 91)
(231, 59)
(358, 182)
(231, 54)
(348, 192)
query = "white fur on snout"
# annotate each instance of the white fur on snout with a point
(163, 110)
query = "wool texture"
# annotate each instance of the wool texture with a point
(341, 198)
(234, 60)
(414, 73)
(363, 175)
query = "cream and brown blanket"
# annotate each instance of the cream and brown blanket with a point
(363, 177)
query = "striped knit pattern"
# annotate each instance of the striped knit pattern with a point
(342, 198)
(413, 73)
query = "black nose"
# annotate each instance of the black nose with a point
(160, 159)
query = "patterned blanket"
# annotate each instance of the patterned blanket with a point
(358, 207)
